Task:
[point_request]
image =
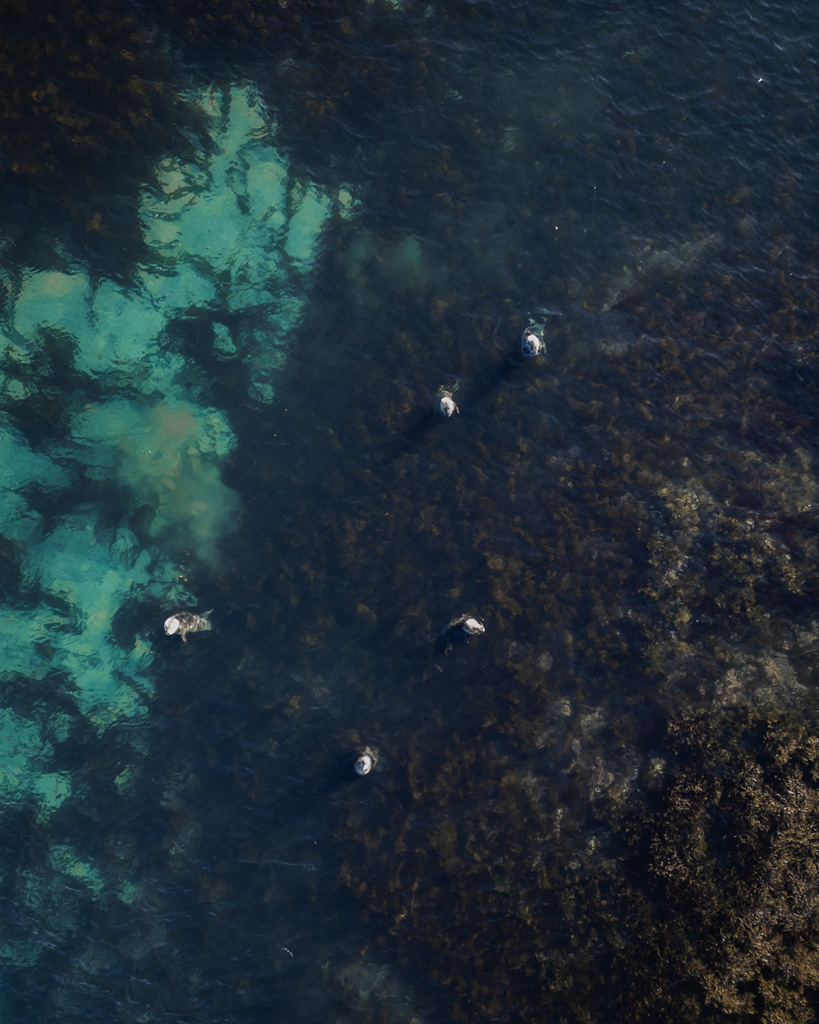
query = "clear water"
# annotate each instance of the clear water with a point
(217, 378)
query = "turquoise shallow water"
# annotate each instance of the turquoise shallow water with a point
(242, 251)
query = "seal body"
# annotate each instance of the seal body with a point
(184, 623)
(472, 627)
(531, 344)
(459, 632)
(469, 625)
(446, 404)
(365, 761)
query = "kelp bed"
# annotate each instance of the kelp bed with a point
(622, 821)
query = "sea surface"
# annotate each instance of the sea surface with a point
(243, 248)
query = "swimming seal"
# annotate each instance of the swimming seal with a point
(531, 344)
(184, 623)
(366, 760)
(446, 404)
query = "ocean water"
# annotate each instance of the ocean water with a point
(242, 250)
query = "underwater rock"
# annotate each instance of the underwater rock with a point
(223, 343)
(184, 623)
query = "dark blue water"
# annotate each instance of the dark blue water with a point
(243, 249)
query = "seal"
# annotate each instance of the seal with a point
(446, 404)
(184, 623)
(445, 399)
(468, 624)
(365, 761)
(459, 632)
(531, 344)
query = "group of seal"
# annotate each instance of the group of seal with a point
(464, 627)
(532, 344)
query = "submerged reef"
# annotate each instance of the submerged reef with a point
(65, 581)
(232, 238)
(83, 582)
(114, 445)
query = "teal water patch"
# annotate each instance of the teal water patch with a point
(85, 581)
(24, 472)
(232, 232)
(51, 896)
(82, 583)
(310, 211)
(239, 215)
(28, 750)
(114, 336)
(56, 300)
(232, 238)
(168, 454)
(72, 580)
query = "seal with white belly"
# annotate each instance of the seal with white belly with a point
(184, 623)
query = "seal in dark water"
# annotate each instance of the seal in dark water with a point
(531, 343)
(459, 631)
(184, 623)
(468, 624)
(366, 761)
(445, 406)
